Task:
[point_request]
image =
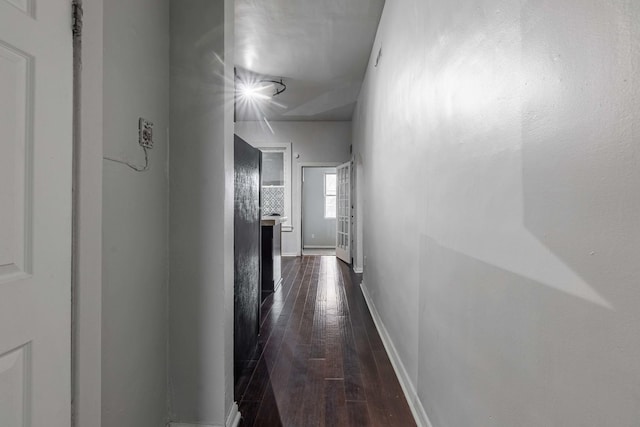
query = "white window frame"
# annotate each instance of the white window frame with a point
(281, 147)
(335, 196)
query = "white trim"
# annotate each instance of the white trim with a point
(319, 247)
(344, 252)
(419, 414)
(334, 195)
(298, 196)
(358, 260)
(358, 270)
(287, 147)
(233, 419)
(192, 425)
(87, 240)
(291, 254)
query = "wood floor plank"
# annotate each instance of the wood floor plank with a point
(269, 412)
(319, 334)
(335, 404)
(295, 388)
(320, 360)
(354, 386)
(358, 414)
(258, 384)
(312, 414)
(396, 405)
(249, 413)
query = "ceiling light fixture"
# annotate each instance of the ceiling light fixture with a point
(252, 91)
(255, 90)
(278, 90)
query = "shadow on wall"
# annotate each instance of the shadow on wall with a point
(522, 351)
(201, 249)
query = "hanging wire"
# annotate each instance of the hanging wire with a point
(134, 167)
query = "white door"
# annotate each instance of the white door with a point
(35, 212)
(343, 220)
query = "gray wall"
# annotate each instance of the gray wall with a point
(314, 142)
(135, 211)
(317, 231)
(201, 218)
(507, 280)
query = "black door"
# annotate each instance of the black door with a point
(246, 253)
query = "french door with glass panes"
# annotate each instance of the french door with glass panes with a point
(343, 214)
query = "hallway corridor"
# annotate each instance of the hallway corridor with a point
(320, 360)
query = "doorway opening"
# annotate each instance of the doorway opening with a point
(319, 210)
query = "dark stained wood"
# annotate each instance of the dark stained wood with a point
(358, 413)
(320, 360)
(396, 406)
(335, 404)
(313, 397)
(246, 260)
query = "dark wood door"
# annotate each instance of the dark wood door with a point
(246, 253)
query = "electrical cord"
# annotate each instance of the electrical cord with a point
(134, 167)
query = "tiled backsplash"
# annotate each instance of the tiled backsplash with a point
(273, 200)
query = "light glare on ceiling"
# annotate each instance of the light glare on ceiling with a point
(253, 92)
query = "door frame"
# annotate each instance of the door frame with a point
(297, 203)
(86, 282)
(358, 189)
(345, 256)
(301, 175)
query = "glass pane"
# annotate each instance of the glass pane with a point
(330, 206)
(330, 184)
(272, 168)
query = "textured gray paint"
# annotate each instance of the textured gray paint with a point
(316, 229)
(502, 257)
(135, 210)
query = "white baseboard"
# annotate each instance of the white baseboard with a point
(419, 414)
(358, 270)
(292, 254)
(191, 425)
(233, 420)
(318, 247)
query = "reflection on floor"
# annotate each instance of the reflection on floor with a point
(320, 359)
(318, 251)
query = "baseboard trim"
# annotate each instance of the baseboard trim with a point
(318, 247)
(292, 254)
(233, 420)
(419, 414)
(358, 270)
(191, 425)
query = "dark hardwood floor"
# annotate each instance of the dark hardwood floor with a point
(320, 360)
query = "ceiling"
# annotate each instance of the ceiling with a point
(320, 48)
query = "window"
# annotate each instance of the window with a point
(273, 187)
(276, 179)
(330, 195)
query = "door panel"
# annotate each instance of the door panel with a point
(15, 162)
(343, 226)
(35, 213)
(25, 6)
(247, 247)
